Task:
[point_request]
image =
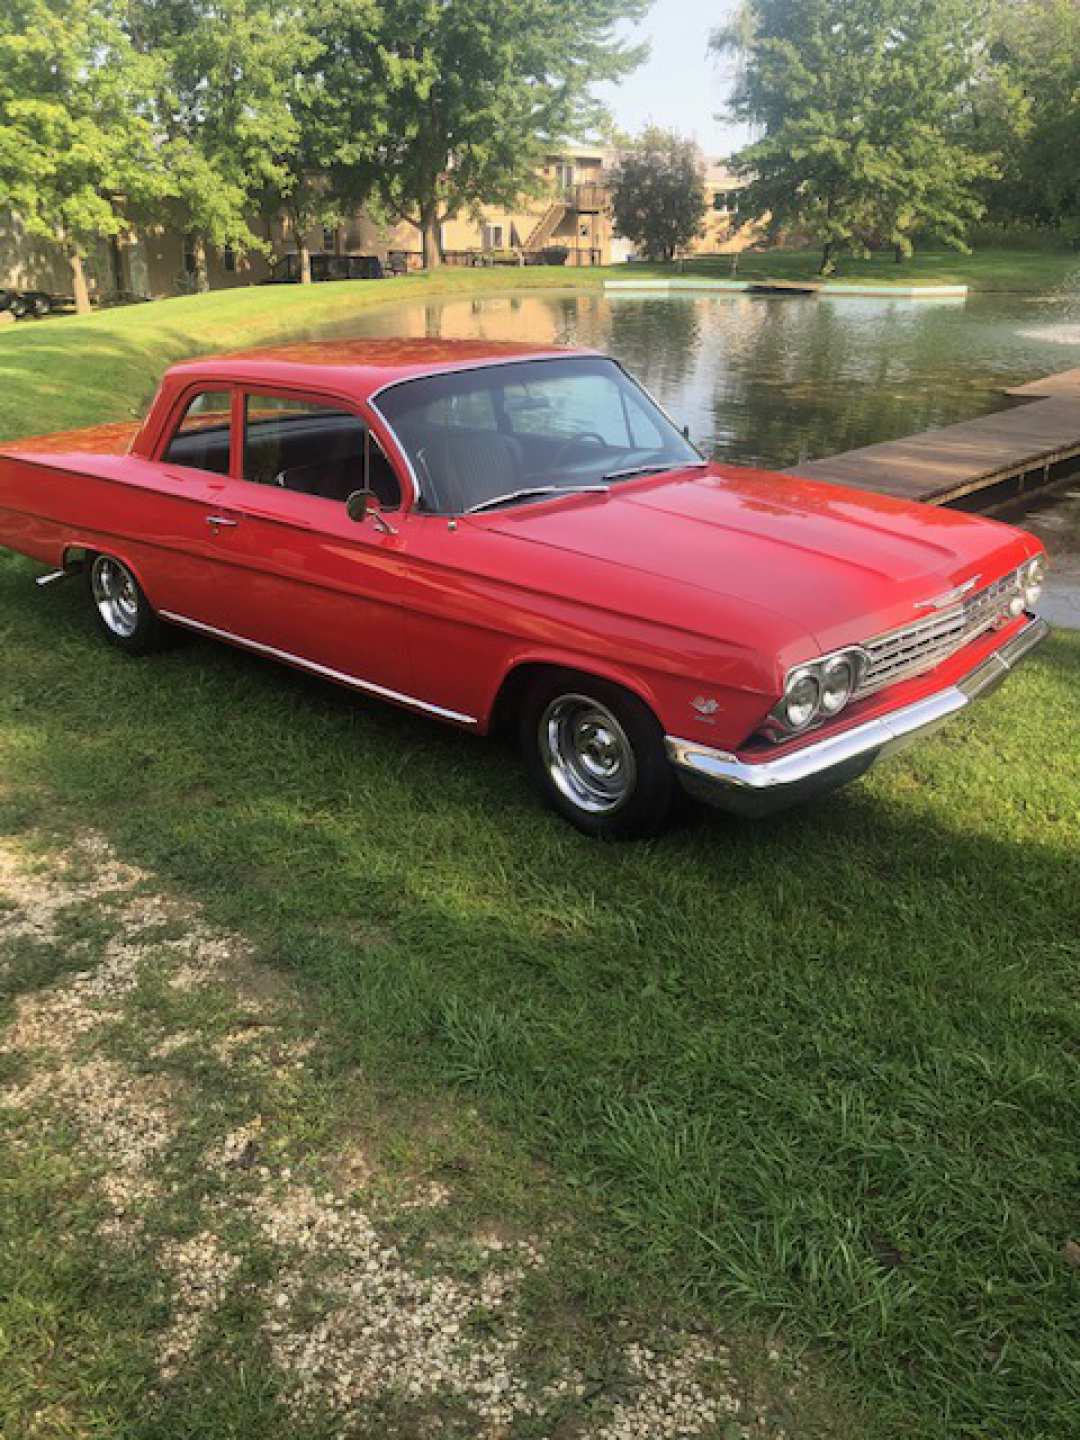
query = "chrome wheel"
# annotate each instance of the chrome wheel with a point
(587, 754)
(116, 596)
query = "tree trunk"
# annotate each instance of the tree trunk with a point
(430, 237)
(305, 259)
(201, 277)
(828, 264)
(898, 254)
(78, 284)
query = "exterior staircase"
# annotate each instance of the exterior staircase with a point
(546, 225)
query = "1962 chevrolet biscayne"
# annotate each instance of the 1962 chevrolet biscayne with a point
(492, 533)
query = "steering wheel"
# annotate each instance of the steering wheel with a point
(567, 447)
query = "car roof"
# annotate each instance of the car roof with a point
(361, 367)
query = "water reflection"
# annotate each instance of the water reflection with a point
(769, 381)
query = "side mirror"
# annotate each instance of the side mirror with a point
(361, 504)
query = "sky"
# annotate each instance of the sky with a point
(680, 87)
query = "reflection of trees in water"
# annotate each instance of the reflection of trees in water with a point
(821, 377)
(658, 339)
(772, 381)
(1070, 294)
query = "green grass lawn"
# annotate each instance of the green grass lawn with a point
(81, 370)
(817, 1075)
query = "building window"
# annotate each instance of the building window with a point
(190, 260)
(493, 237)
(719, 202)
(564, 173)
(228, 259)
(329, 238)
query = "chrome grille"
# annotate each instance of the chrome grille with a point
(916, 648)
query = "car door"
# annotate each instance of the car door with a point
(178, 554)
(299, 579)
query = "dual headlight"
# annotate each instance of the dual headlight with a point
(817, 691)
(1032, 579)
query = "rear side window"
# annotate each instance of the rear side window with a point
(201, 439)
(314, 448)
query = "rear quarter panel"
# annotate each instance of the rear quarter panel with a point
(151, 519)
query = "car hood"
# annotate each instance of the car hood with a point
(842, 564)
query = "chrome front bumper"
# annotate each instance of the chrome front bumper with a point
(745, 788)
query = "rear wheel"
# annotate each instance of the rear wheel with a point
(123, 612)
(596, 753)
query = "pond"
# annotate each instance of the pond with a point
(772, 381)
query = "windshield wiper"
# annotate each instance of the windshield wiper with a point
(653, 469)
(533, 490)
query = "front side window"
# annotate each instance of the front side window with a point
(201, 439)
(315, 448)
(506, 434)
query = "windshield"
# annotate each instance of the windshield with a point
(515, 433)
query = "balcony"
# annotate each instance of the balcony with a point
(586, 199)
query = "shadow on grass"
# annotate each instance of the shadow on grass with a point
(821, 1072)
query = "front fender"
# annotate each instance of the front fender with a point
(721, 713)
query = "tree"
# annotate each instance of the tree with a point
(77, 146)
(228, 71)
(327, 173)
(861, 105)
(659, 193)
(1027, 109)
(462, 99)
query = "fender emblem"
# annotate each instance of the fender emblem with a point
(705, 705)
(950, 597)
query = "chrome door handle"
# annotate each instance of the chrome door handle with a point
(221, 522)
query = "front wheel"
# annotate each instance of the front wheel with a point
(596, 753)
(123, 612)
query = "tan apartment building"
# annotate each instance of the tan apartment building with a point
(724, 232)
(573, 213)
(570, 218)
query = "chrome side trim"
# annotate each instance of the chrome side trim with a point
(52, 577)
(324, 670)
(721, 778)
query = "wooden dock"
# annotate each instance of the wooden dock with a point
(1006, 453)
(1065, 385)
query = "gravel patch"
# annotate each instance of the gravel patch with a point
(381, 1327)
(201, 1270)
(350, 1322)
(670, 1398)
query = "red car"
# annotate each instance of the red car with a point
(499, 534)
